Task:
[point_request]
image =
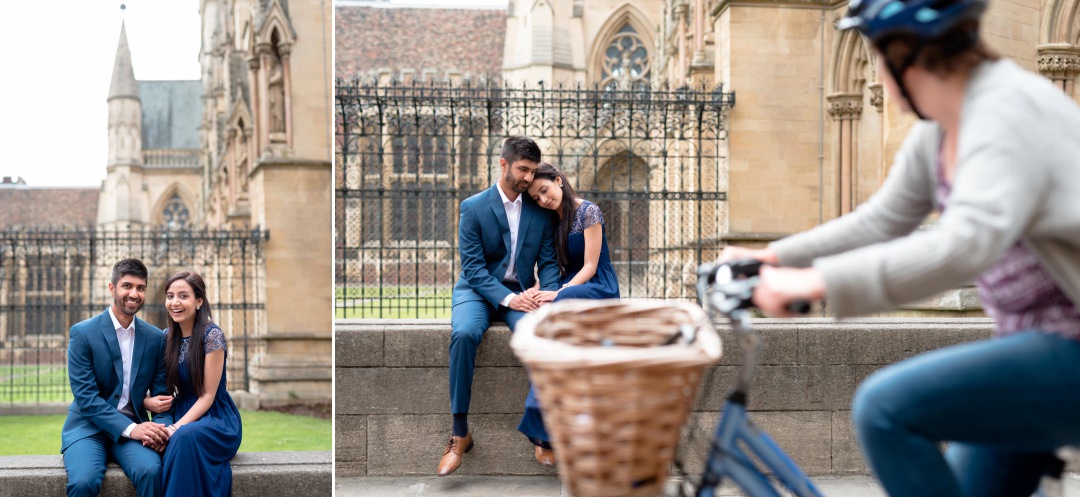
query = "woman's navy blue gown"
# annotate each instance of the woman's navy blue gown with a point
(196, 461)
(603, 285)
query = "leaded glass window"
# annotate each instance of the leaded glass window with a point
(626, 60)
(175, 215)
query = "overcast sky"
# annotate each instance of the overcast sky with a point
(57, 61)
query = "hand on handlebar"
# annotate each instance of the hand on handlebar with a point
(779, 287)
(735, 253)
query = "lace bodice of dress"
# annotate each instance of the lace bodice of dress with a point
(587, 214)
(214, 340)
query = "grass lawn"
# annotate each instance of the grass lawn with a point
(34, 384)
(263, 432)
(399, 308)
(390, 290)
(393, 302)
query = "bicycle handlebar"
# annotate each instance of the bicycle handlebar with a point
(728, 288)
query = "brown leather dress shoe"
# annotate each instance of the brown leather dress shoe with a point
(455, 452)
(546, 457)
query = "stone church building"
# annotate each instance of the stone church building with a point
(247, 149)
(154, 162)
(810, 137)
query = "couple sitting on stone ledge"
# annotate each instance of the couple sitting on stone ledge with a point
(529, 223)
(115, 359)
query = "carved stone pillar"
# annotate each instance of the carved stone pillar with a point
(1060, 63)
(263, 109)
(286, 66)
(680, 36)
(699, 32)
(256, 101)
(248, 144)
(233, 160)
(845, 109)
(672, 53)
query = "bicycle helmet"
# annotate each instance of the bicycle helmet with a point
(923, 20)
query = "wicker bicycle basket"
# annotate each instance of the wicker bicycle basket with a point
(614, 396)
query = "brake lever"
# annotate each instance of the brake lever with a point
(742, 278)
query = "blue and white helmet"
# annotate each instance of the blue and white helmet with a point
(922, 19)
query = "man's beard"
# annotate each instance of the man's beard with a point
(518, 186)
(122, 305)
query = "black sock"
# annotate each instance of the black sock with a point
(461, 424)
(540, 443)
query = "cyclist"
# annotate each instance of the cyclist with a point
(997, 153)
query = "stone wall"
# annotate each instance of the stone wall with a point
(292, 200)
(393, 410)
(255, 474)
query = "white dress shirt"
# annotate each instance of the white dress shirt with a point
(513, 217)
(126, 338)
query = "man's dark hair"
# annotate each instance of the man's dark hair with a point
(517, 148)
(128, 267)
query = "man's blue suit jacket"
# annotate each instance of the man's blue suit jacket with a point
(94, 370)
(484, 247)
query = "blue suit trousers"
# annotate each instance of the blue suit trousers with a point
(468, 323)
(84, 461)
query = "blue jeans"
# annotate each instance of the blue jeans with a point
(1003, 406)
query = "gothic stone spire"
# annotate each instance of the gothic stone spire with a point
(123, 76)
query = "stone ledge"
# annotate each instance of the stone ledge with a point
(392, 410)
(255, 474)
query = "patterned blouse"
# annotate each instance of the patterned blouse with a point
(1017, 292)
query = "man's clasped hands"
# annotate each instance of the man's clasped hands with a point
(151, 434)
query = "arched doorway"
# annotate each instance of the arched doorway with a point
(619, 188)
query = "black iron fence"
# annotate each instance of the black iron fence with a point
(407, 155)
(51, 279)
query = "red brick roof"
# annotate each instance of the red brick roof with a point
(39, 207)
(467, 41)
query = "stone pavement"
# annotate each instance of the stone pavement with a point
(547, 486)
(540, 486)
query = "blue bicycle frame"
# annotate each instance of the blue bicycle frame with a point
(728, 459)
(737, 438)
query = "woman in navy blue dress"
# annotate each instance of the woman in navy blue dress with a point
(207, 431)
(584, 263)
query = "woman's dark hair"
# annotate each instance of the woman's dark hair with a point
(958, 50)
(567, 209)
(195, 355)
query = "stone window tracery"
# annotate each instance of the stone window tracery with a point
(625, 62)
(175, 215)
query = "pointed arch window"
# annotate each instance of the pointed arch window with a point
(175, 215)
(625, 63)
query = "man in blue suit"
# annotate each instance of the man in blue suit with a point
(113, 360)
(502, 237)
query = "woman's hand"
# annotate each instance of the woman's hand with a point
(779, 287)
(735, 253)
(159, 404)
(546, 296)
